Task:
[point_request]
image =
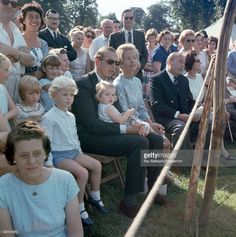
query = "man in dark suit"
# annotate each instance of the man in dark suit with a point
(129, 35)
(113, 139)
(53, 37)
(171, 99)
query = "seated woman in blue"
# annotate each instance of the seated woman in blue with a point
(46, 203)
(162, 52)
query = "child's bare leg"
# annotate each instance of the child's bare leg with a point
(94, 168)
(80, 173)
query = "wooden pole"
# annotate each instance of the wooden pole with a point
(199, 148)
(218, 113)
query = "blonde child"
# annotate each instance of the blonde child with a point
(60, 127)
(29, 91)
(129, 89)
(51, 69)
(107, 112)
(7, 105)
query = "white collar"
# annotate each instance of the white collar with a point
(171, 76)
(99, 78)
(126, 31)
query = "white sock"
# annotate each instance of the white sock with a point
(83, 212)
(96, 196)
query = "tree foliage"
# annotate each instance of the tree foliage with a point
(196, 14)
(158, 17)
(82, 12)
(140, 16)
(171, 14)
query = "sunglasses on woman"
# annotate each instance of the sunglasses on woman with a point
(13, 3)
(89, 36)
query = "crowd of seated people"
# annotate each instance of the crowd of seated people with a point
(64, 96)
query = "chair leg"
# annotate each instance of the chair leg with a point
(120, 172)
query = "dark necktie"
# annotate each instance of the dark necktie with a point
(129, 37)
(54, 35)
(175, 81)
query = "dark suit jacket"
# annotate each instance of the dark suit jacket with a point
(166, 99)
(61, 42)
(116, 39)
(85, 109)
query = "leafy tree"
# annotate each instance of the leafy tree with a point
(196, 14)
(219, 8)
(82, 12)
(140, 16)
(158, 17)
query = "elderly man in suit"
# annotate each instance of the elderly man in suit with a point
(129, 35)
(113, 139)
(53, 37)
(102, 40)
(172, 101)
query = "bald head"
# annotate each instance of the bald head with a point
(175, 63)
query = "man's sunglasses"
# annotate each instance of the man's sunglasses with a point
(111, 62)
(189, 40)
(128, 17)
(13, 3)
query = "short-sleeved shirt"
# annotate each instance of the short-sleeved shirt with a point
(161, 55)
(42, 214)
(61, 129)
(25, 112)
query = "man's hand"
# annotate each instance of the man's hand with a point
(183, 117)
(138, 129)
(158, 128)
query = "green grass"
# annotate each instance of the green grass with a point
(169, 222)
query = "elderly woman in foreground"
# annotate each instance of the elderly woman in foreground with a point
(46, 203)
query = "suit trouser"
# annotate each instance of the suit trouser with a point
(129, 146)
(175, 127)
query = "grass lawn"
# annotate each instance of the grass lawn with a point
(169, 222)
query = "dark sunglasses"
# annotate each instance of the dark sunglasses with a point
(189, 40)
(89, 36)
(13, 4)
(128, 17)
(111, 62)
(197, 61)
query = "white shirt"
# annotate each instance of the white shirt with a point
(19, 41)
(52, 33)
(96, 44)
(61, 129)
(127, 35)
(195, 85)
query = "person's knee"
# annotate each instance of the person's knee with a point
(82, 174)
(166, 144)
(97, 166)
